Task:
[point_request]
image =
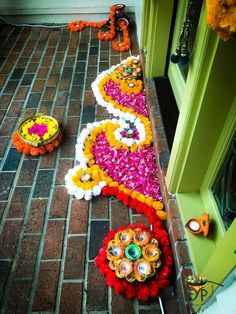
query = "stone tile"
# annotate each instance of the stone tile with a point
(68, 147)
(27, 79)
(92, 70)
(98, 231)
(2, 208)
(12, 160)
(59, 205)
(177, 230)
(17, 73)
(94, 42)
(61, 99)
(11, 87)
(89, 99)
(32, 68)
(80, 66)
(171, 306)
(3, 78)
(78, 79)
(88, 115)
(97, 292)
(140, 219)
(114, 60)
(46, 62)
(43, 183)
(15, 109)
(67, 72)
(79, 216)
(18, 297)
(21, 93)
(93, 60)
(72, 125)
(45, 107)
(182, 253)
(45, 296)
(4, 142)
(53, 80)
(33, 100)
(48, 160)
(75, 258)
(76, 92)
(4, 271)
(63, 167)
(28, 253)
(120, 302)
(38, 85)
(36, 216)
(71, 298)
(58, 114)
(5, 101)
(9, 238)
(6, 179)
(100, 207)
(74, 108)
(104, 56)
(8, 126)
(54, 239)
(103, 66)
(119, 215)
(82, 55)
(49, 93)
(19, 202)
(89, 82)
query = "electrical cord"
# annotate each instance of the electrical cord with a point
(32, 25)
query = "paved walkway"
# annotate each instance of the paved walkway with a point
(48, 240)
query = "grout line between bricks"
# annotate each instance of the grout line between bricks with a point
(20, 238)
(41, 245)
(67, 225)
(85, 287)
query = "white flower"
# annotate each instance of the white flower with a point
(96, 190)
(79, 194)
(102, 184)
(88, 195)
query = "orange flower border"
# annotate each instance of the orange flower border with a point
(27, 149)
(124, 45)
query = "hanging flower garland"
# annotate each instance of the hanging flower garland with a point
(136, 261)
(37, 135)
(113, 22)
(221, 16)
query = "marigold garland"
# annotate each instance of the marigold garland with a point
(221, 16)
(151, 287)
(80, 25)
(28, 149)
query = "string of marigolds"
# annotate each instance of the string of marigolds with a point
(114, 22)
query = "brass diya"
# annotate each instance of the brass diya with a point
(134, 254)
(128, 72)
(48, 122)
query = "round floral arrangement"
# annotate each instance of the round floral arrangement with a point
(38, 130)
(136, 261)
(134, 255)
(37, 135)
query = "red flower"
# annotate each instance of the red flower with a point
(140, 290)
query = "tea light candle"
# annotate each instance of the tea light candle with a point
(194, 225)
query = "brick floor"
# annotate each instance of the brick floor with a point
(47, 239)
